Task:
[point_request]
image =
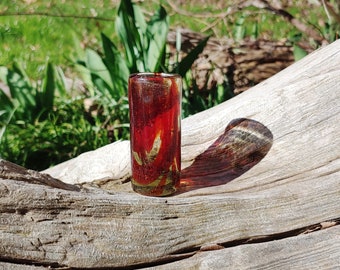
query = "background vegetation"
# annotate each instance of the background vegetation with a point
(43, 44)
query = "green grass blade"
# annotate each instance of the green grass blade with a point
(60, 81)
(240, 29)
(46, 97)
(97, 67)
(255, 31)
(23, 96)
(116, 66)
(157, 31)
(127, 29)
(20, 70)
(6, 106)
(298, 52)
(187, 61)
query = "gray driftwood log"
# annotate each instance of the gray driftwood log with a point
(282, 213)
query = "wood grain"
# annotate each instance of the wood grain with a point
(307, 251)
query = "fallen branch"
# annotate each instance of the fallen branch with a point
(290, 195)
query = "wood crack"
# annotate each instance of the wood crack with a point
(278, 236)
(23, 262)
(261, 238)
(189, 252)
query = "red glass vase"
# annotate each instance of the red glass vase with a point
(155, 132)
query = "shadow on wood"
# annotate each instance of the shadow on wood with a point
(242, 145)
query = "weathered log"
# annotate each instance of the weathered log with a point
(280, 212)
(241, 64)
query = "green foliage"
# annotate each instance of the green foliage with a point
(298, 52)
(331, 30)
(26, 101)
(40, 125)
(54, 31)
(195, 100)
(49, 32)
(51, 126)
(144, 44)
(107, 76)
(65, 133)
(184, 66)
(239, 29)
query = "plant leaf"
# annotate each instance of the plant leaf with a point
(45, 98)
(6, 107)
(240, 30)
(97, 67)
(190, 58)
(117, 67)
(298, 52)
(22, 94)
(60, 81)
(157, 31)
(130, 35)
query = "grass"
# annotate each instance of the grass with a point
(58, 31)
(51, 30)
(45, 143)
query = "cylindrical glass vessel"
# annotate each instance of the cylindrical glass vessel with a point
(155, 129)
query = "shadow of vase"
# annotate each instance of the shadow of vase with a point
(243, 144)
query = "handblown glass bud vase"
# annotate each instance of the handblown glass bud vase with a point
(155, 128)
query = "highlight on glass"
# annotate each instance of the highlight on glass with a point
(155, 131)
